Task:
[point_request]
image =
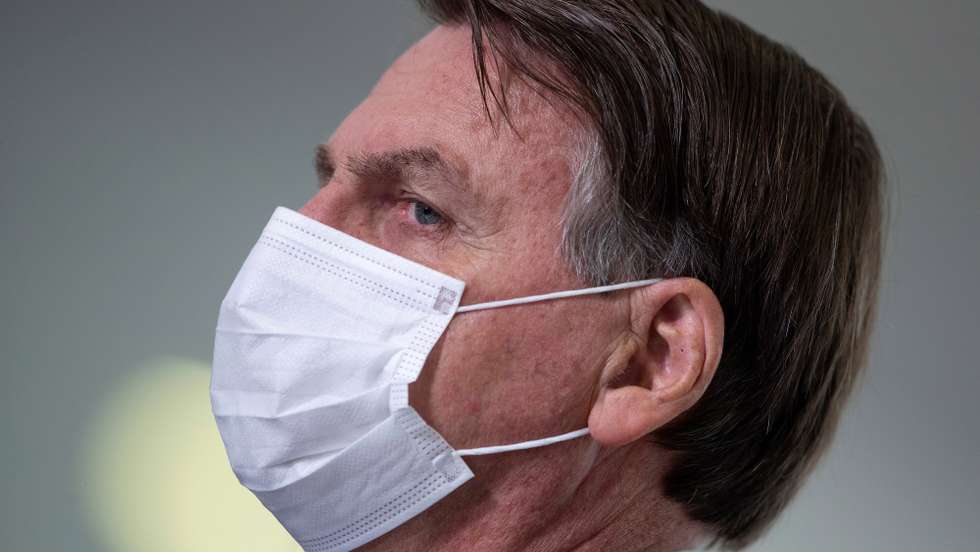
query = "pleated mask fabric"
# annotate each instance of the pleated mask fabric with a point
(317, 340)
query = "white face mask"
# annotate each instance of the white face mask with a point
(317, 341)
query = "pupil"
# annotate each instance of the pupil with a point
(425, 214)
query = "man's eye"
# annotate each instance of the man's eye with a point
(424, 214)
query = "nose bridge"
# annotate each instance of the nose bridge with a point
(338, 207)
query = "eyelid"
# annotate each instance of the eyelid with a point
(412, 198)
(446, 227)
(450, 222)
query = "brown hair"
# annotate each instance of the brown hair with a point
(722, 156)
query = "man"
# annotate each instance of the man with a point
(596, 143)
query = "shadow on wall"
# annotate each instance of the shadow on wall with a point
(156, 477)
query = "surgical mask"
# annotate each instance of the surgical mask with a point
(317, 342)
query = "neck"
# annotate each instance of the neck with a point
(562, 498)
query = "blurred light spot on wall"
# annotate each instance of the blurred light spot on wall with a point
(156, 477)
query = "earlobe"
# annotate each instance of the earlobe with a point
(662, 365)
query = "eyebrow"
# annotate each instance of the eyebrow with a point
(400, 163)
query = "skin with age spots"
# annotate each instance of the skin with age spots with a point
(488, 212)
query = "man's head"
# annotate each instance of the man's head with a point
(604, 142)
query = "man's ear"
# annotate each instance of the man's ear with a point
(663, 364)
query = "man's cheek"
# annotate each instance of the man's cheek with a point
(530, 369)
(483, 358)
(451, 392)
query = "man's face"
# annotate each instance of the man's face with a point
(484, 206)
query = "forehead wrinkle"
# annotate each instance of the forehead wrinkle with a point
(427, 169)
(403, 162)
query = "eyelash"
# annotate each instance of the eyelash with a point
(438, 230)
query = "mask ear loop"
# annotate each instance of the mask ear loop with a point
(533, 299)
(555, 295)
(525, 445)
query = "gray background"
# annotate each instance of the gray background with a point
(143, 146)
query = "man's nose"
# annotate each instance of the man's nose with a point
(321, 207)
(339, 209)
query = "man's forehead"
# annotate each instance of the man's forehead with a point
(437, 74)
(430, 97)
(443, 59)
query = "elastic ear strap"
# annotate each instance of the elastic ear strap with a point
(555, 295)
(525, 445)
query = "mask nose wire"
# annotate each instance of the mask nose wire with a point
(554, 295)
